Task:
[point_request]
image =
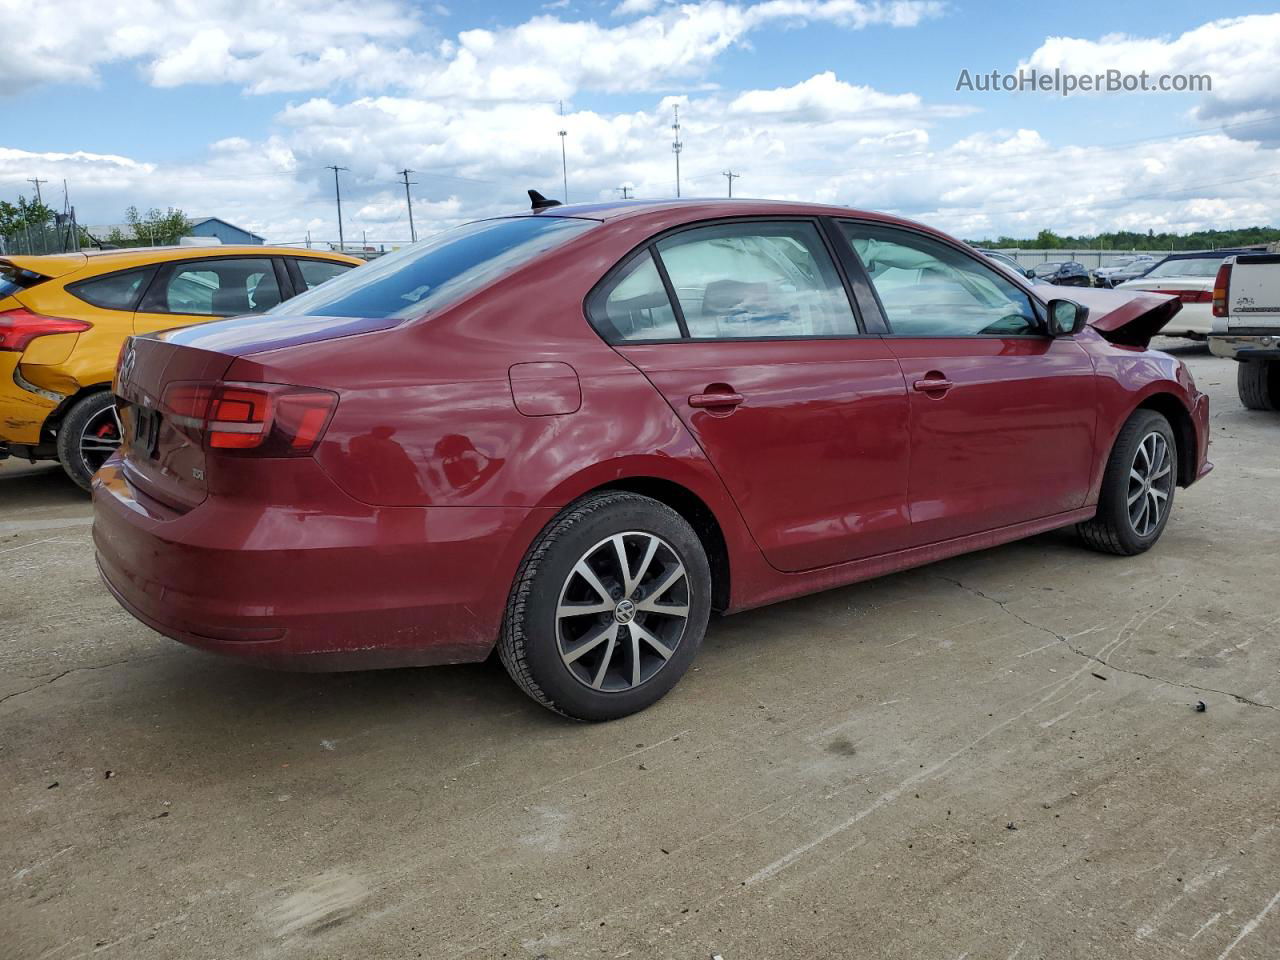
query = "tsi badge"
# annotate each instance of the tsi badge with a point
(197, 473)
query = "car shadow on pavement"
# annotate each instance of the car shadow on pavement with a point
(209, 704)
(31, 486)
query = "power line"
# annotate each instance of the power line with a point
(337, 193)
(730, 176)
(37, 181)
(413, 234)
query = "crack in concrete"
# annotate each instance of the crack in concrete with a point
(58, 676)
(1004, 606)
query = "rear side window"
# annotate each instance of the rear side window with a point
(431, 273)
(224, 287)
(770, 279)
(634, 306)
(316, 272)
(116, 291)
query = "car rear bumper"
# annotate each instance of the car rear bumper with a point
(22, 412)
(1244, 347)
(338, 585)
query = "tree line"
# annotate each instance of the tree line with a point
(1134, 240)
(27, 217)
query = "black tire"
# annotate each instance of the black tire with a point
(86, 413)
(1112, 530)
(1258, 383)
(532, 637)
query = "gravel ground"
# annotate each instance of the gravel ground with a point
(996, 756)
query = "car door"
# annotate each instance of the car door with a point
(1002, 414)
(747, 329)
(201, 289)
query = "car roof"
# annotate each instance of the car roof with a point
(102, 261)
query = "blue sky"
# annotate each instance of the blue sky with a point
(180, 116)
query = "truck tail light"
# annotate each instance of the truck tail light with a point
(250, 419)
(1220, 285)
(19, 327)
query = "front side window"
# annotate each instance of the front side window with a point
(116, 291)
(635, 305)
(928, 288)
(771, 279)
(422, 277)
(224, 287)
(316, 272)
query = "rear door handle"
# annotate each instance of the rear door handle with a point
(716, 399)
(933, 385)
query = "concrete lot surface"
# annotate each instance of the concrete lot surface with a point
(994, 757)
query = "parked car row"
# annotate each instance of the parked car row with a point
(64, 318)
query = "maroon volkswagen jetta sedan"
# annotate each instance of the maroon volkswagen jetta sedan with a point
(576, 432)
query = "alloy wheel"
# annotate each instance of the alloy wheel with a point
(622, 611)
(100, 438)
(1150, 483)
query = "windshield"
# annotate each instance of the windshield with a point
(1194, 267)
(1048, 267)
(433, 272)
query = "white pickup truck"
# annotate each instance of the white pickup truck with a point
(1246, 325)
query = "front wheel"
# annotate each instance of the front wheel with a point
(87, 436)
(1137, 488)
(608, 609)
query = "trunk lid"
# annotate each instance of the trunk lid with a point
(242, 336)
(160, 458)
(1130, 317)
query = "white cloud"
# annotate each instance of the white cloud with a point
(269, 46)
(1239, 54)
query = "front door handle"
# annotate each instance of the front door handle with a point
(933, 385)
(713, 400)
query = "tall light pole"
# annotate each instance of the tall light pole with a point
(337, 193)
(564, 163)
(731, 176)
(413, 234)
(676, 145)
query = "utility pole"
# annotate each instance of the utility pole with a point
(626, 189)
(413, 234)
(730, 176)
(564, 163)
(337, 193)
(676, 145)
(37, 181)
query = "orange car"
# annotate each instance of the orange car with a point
(64, 317)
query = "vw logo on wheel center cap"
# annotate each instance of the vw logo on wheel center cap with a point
(625, 611)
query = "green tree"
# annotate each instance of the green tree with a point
(25, 214)
(156, 228)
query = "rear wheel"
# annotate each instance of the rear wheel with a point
(88, 435)
(1137, 488)
(608, 609)
(1258, 383)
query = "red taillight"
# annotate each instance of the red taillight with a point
(19, 327)
(264, 419)
(1220, 284)
(1190, 296)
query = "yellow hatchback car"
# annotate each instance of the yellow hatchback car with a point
(64, 317)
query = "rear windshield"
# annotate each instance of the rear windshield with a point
(1197, 267)
(13, 279)
(423, 277)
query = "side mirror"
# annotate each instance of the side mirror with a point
(1066, 317)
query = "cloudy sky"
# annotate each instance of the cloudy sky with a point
(233, 108)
